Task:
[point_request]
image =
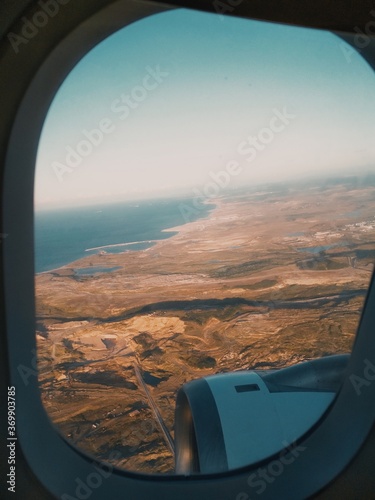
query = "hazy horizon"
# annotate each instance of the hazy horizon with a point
(307, 182)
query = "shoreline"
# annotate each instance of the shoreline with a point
(177, 230)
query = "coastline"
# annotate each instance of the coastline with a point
(176, 230)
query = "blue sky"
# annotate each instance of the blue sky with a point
(177, 93)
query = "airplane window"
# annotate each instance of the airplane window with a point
(204, 205)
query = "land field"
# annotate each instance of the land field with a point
(268, 279)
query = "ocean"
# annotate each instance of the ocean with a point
(65, 235)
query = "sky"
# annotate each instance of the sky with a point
(167, 104)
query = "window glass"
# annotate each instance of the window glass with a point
(204, 203)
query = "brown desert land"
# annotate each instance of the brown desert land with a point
(268, 279)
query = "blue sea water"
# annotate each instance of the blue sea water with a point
(65, 235)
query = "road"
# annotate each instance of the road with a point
(168, 438)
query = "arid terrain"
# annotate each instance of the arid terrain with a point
(266, 280)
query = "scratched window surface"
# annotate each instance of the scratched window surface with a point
(204, 203)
